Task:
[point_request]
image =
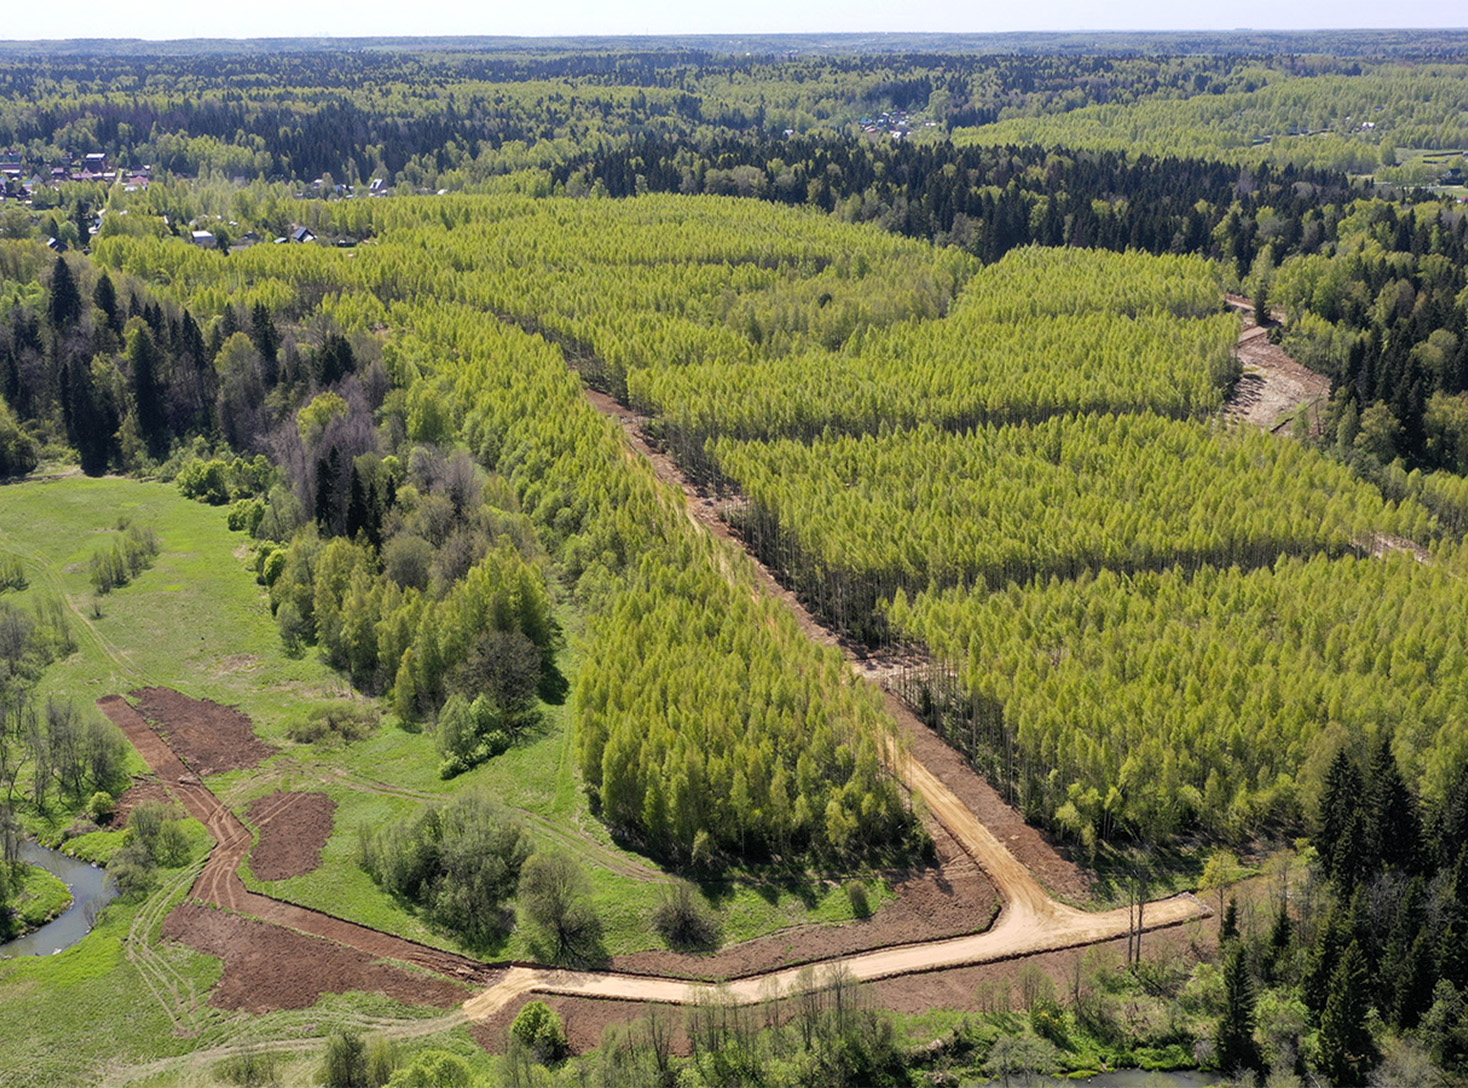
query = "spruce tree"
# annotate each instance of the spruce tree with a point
(1338, 804)
(1392, 826)
(1235, 1037)
(1347, 1051)
(64, 306)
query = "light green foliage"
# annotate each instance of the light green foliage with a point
(539, 1027)
(850, 520)
(1042, 332)
(1199, 697)
(459, 863)
(1336, 121)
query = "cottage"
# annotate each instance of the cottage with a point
(303, 234)
(204, 239)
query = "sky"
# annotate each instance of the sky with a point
(159, 19)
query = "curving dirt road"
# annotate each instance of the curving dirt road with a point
(1032, 920)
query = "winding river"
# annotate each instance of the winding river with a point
(91, 890)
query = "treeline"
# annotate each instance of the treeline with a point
(444, 119)
(848, 521)
(1122, 707)
(1333, 121)
(989, 200)
(707, 723)
(126, 378)
(1384, 315)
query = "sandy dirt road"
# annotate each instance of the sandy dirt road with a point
(1031, 921)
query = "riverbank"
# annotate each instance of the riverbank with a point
(40, 897)
(59, 902)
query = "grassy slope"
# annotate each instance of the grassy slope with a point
(198, 622)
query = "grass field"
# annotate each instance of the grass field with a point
(197, 621)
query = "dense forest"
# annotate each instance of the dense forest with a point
(944, 334)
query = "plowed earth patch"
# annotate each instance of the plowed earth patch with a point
(293, 829)
(142, 790)
(208, 737)
(948, 900)
(268, 967)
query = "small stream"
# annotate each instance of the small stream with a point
(91, 890)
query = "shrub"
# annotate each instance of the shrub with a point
(245, 515)
(336, 725)
(556, 896)
(101, 806)
(856, 895)
(433, 1069)
(684, 921)
(460, 862)
(345, 1062)
(250, 1068)
(539, 1027)
(12, 573)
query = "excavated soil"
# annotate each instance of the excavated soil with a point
(1273, 384)
(142, 790)
(949, 900)
(969, 988)
(208, 737)
(293, 831)
(268, 967)
(1058, 875)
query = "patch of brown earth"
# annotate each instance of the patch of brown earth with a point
(1059, 876)
(949, 900)
(268, 967)
(971, 989)
(142, 790)
(208, 737)
(293, 830)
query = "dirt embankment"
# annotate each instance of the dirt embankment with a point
(950, 899)
(210, 738)
(267, 967)
(293, 831)
(1273, 386)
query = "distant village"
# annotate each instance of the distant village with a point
(20, 184)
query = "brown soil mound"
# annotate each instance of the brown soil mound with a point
(293, 829)
(142, 789)
(1027, 843)
(951, 900)
(208, 737)
(585, 1020)
(268, 967)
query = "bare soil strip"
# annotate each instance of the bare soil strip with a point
(210, 737)
(220, 882)
(1273, 384)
